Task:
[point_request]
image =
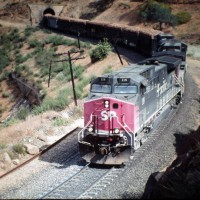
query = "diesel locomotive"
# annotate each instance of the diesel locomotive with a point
(123, 106)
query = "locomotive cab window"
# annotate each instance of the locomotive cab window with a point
(101, 88)
(126, 89)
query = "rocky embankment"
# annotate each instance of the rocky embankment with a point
(182, 178)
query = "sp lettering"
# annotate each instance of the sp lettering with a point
(107, 114)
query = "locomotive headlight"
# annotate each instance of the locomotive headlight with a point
(106, 106)
(106, 103)
(90, 129)
(116, 130)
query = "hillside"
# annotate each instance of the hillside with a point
(28, 60)
(114, 11)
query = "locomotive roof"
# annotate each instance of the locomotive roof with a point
(178, 54)
(170, 60)
(155, 64)
(134, 71)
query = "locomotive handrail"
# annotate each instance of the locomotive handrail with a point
(132, 139)
(85, 127)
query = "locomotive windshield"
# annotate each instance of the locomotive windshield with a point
(126, 89)
(100, 88)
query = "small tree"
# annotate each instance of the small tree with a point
(101, 51)
(157, 12)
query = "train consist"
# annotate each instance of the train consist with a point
(123, 106)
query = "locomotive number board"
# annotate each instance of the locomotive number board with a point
(123, 80)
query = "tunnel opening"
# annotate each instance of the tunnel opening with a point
(49, 11)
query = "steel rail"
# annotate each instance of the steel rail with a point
(39, 154)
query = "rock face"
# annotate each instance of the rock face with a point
(31, 149)
(182, 178)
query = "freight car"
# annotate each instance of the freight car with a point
(145, 41)
(124, 106)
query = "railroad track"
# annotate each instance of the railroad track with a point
(84, 183)
(41, 153)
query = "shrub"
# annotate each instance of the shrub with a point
(46, 31)
(5, 95)
(43, 58)
(59, 103)
(156, 12)
(20, 59)
(4, 76)
(3, 146)
(10, 121)
(183, 17)
(91, 78)
(4, 57)
(80, 86)
(59, 40)
(22, 113)
(78, 71)
(34, 43)
(58, 121)
(19, 148)
(29, 29)
(101, 51)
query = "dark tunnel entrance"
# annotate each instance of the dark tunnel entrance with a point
(49, 11)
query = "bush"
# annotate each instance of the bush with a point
(156, 12)
(59, 40)
(23, 113)
(29, 29)
(5, 95)
(101, 51)
(19, 148)
(4, 75)
(2, 146)
(78, 71)
(43, 58)
(34, 43)
(58, 121)
(183, 17)
(80, 86)
(59, 103)
(10, 121)
(4, 57)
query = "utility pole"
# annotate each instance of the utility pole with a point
(72, 77)
(114, 42)
(71, 70)
(116, 49)
(79, 46)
